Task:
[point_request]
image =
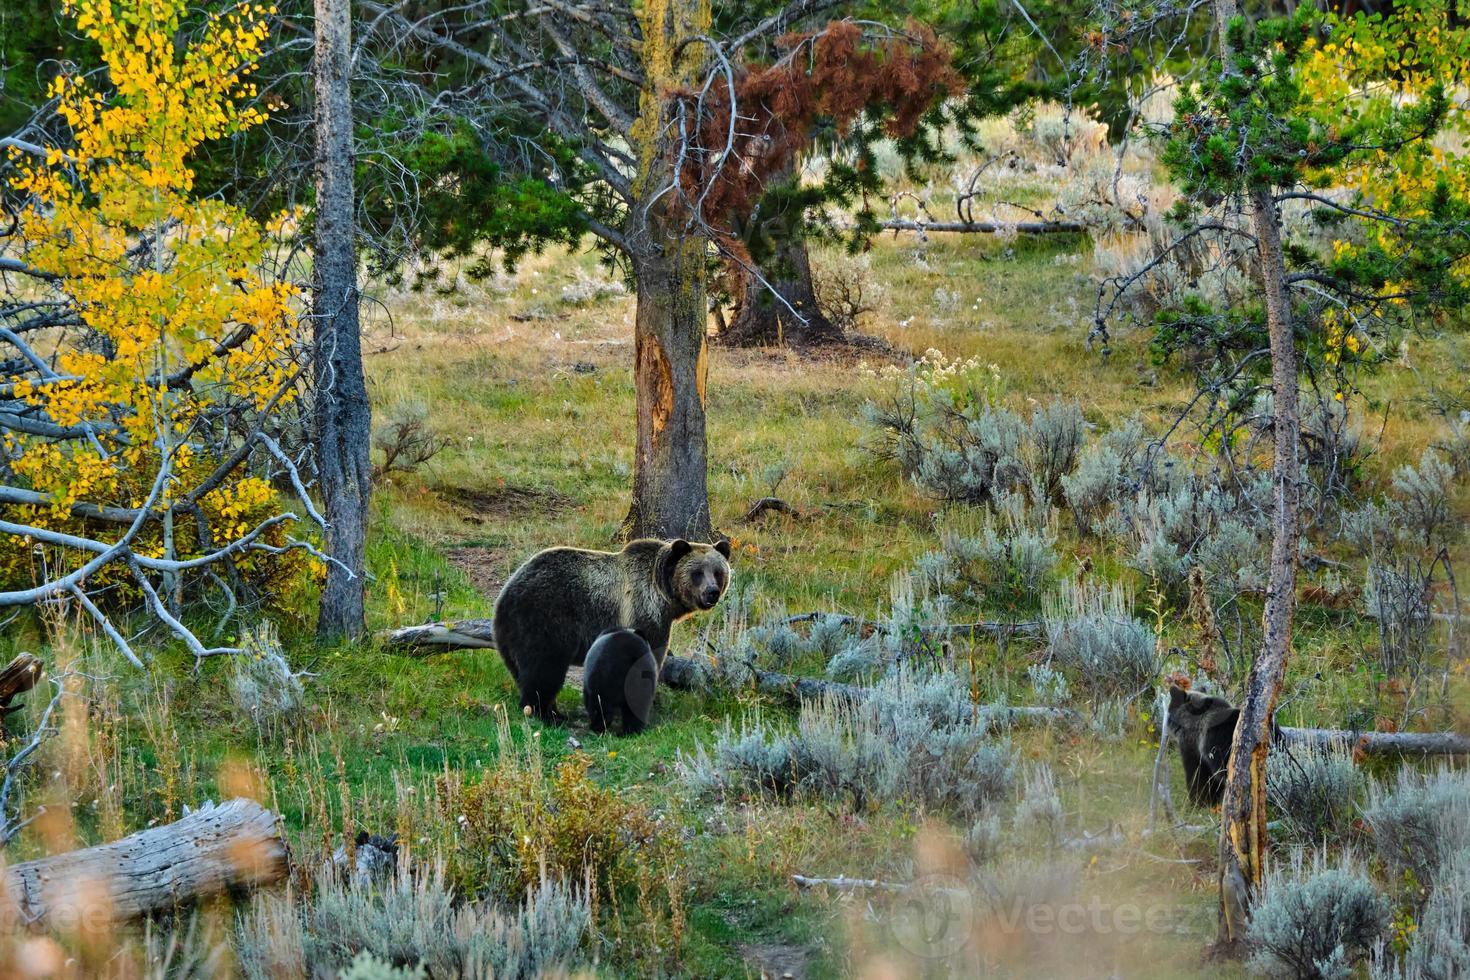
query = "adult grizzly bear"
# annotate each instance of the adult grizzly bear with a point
(562, 599)
(619, 681)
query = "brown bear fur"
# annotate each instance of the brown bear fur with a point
(1204, 727)
(554, 606)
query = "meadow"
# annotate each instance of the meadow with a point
(523, 382)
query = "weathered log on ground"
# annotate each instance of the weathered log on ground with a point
(453, 634)
(16, 678)
(477, 634)
(1024, 627)
(686, 674)
(985, 227)
(234, 845)
(1381, 743)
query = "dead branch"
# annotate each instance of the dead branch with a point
(765, 504)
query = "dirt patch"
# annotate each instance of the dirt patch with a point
(777, 961)
(484, 567)
(483, 503)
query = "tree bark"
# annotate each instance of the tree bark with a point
(1243, 810)
(791, 316)
(343, 419)
(670, 489)
(216, 848)
(671, 369)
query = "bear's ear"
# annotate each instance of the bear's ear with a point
(723, 547)
(678, 548)
(1177, 697)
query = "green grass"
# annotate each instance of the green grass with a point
(539, 453)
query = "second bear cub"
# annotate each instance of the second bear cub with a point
(619, 680)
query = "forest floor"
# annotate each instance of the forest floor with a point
(528, 383)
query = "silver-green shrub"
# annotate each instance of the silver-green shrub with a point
(1439, 948)
(914, 737)
(262, 684)
(1421, 822)
(1092, 635)
(413, 921)
(1421, 503)
(1315, 923)
(1094, 487)
(1316, 792)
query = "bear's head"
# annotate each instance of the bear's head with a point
(698, 573)
(1191, 711)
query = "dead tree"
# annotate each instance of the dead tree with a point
(343, 422)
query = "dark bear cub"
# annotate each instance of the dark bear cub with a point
(1205, 728)
(619, 679)
(562, 599)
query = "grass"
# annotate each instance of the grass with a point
(534, 399)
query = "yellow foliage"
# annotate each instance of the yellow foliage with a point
(182, 315)
(1370, 66)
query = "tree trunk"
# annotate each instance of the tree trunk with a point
(670, 492)
(216, 848)
(671, 367)
(343, 420)
(1243, 811)
(791, 316)
(763, 320)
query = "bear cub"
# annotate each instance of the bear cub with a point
(619, 680)
(562, 599)
(1205, 728)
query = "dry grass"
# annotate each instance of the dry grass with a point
(527, 380)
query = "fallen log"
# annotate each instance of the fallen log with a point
(1024, 627)
(985, 227)
(453, 634)
(478, 634)
(1381, 743)
(214, 849)
(686, 674)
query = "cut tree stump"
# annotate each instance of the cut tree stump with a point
(214, 849)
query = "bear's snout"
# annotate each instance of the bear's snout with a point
(709, 596)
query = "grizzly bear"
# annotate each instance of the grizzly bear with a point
(561, 599)
(1205, 729)
(619, 679)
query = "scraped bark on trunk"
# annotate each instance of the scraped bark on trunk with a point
(670, 490)
(342, 417)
